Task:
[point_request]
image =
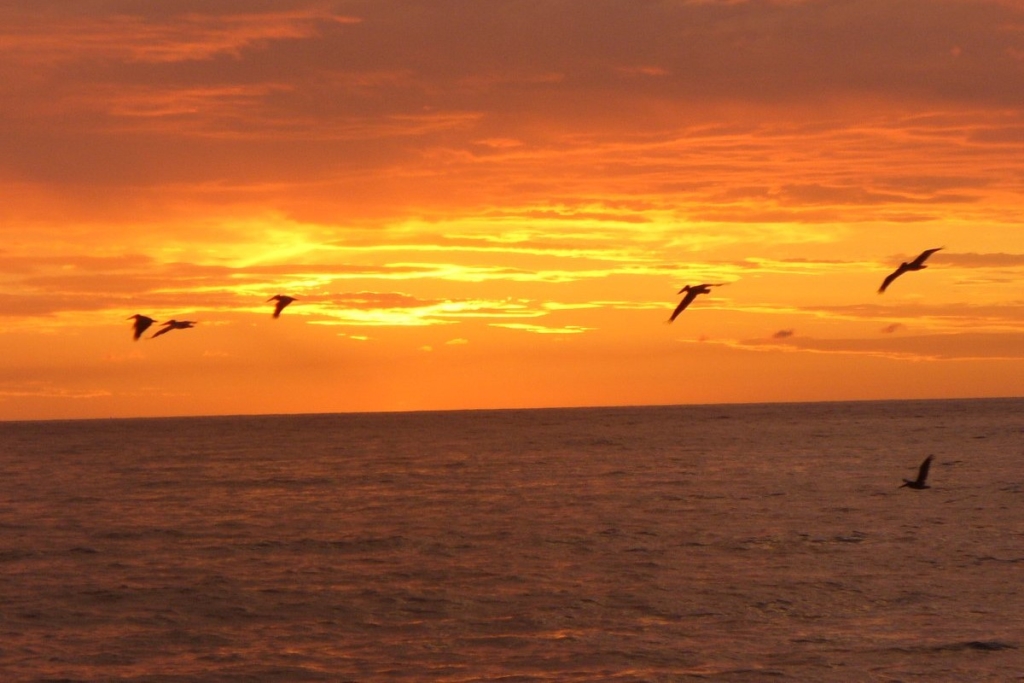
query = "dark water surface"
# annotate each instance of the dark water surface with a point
(722, 543)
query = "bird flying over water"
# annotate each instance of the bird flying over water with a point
(282, 301)
(142, 323)
(692, 291)
(916, 264)
(173, 325)
(922, 474)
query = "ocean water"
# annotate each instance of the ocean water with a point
(720, 543)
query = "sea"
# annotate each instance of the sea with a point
(674, 543)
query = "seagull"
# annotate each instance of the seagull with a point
(142, 323)
(282, 301)
(922, 474)
(916, 264)
(173, 325)
(691, 294)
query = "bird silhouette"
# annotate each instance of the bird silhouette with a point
(282, 301)
(922, 474)
(142, 324)
(691, 293)
(173, 325)
(916, 264)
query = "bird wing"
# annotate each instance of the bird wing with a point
(163, 330)
(679, 309)
(923, 256)
(687, 300)
(922, 473)
(892, 276)
(142, 323)
(282, 301)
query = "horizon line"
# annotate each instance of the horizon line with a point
(414, 411)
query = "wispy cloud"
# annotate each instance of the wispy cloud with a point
(543, 329)
(995, 260)
(48, 390)
(391, 309)
(941, 347)
(48, 36)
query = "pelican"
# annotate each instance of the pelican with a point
(282, 301)
(916, 264)
(174, 325)
(922, 474)
(142, 324)
(691, 293)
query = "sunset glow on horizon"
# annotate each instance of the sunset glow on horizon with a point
(494, 204)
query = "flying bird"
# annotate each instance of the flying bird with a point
(142, 324)
(922, 474)
(691, 293)
(173, 325)
(282, 301)
(916, 264)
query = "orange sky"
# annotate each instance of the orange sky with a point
(493, 204)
